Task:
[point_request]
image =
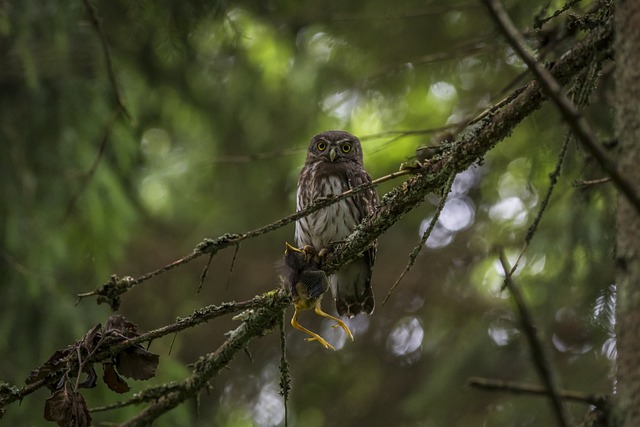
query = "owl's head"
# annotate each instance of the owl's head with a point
(335, 146)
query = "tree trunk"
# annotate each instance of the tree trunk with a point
(627, 54)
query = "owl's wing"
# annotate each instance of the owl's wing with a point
(367, 203)
(358, 297)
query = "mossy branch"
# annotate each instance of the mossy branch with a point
(467, 149)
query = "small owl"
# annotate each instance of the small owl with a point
(334, 165)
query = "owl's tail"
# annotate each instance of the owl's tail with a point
(351, 288)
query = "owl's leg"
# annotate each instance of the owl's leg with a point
(339, 322)
(315, 337)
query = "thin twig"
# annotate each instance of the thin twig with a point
(148, 395)
(204, 273)
(539, 358)
(117, 286)
(478, 138)
(590, 182)
(584, 87)
(120, 108)
(430, 10)
(233, 263)
(247, 158)
(423, 240)
(199, 316)
(526, 388)
(410, 132)
(539, 22)
(97, 24)
(553, 178)
(285, 377)
(470, 146)
(573, 117)
(86, 178)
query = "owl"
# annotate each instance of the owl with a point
(334, 165)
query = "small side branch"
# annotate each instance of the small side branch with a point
(539, 358)
(97, 23)
(110, 292)
(423, 240)
(513, 387)
(199, 316)
(86, 178)
(256, 324)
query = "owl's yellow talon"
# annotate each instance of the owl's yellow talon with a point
(339, 322)
(322, 341)
(289, 247)
(314, 336)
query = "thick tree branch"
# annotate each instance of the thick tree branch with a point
(257, 323)
(469, 148)
(199, 316)
(571, 114)
(472, 144)
(478, 138)
(110, 292)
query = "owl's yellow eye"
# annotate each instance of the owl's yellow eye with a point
(321, 145)
(346, 148)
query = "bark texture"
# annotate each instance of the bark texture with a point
(627, 56)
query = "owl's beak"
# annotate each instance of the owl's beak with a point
(332, 154)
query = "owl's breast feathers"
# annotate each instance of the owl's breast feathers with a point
(337, 221)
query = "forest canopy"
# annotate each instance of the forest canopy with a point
(150, 149)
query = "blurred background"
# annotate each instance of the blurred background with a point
(223, 98)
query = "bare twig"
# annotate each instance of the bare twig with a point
(591, 182)
(120, 108)
(583, 88)
(247, 158)
(526, 388)
(233, 263)
(110, 291)
(205, 272)
(97, 23)
(478, 138)
(539, 22)
(423, 240)
(94, 166)
(410, 132)
(539, 358)
(468, 148)
(571, 114)
(553, 179)
(285, 378)
(429, 10)
(199, 316)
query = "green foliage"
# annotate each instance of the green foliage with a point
(223, 99)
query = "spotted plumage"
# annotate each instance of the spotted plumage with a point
(334, 165)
